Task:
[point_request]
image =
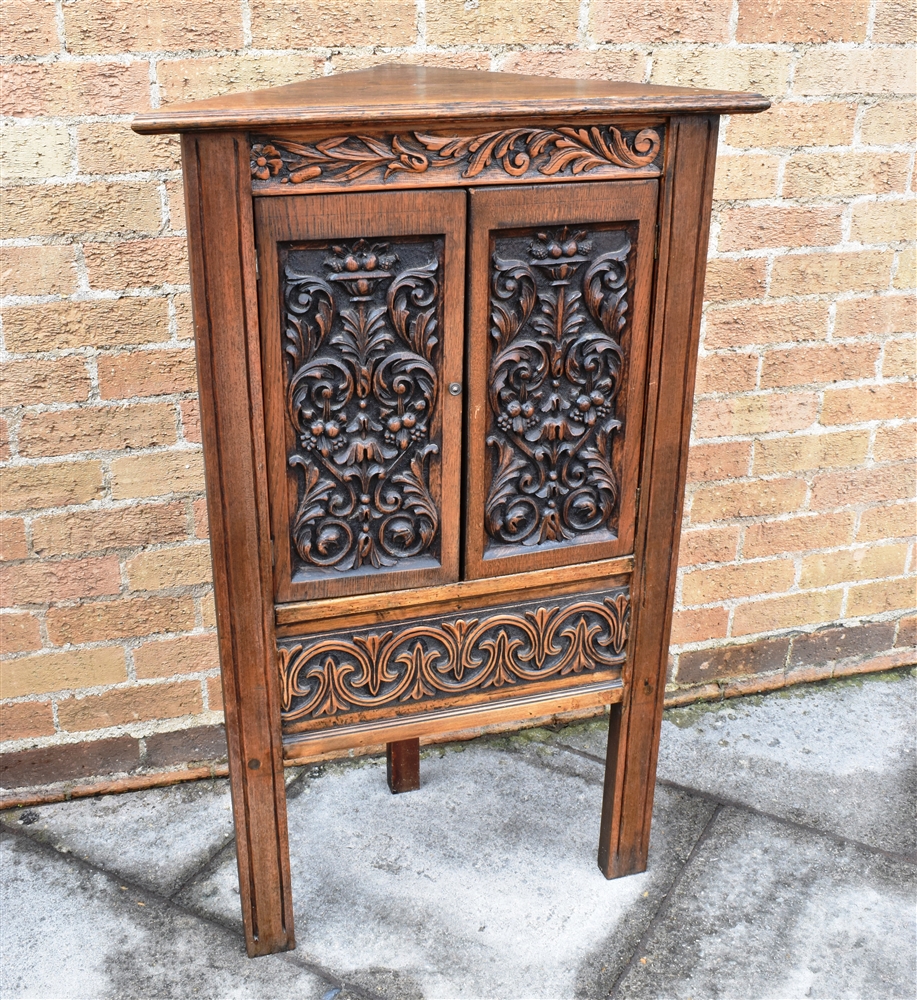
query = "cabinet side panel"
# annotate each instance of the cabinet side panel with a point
(225, 321)
(634, 734)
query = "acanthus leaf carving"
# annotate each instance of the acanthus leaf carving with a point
(554, 376)
(362, 390)
(514, 151)
(426, 659)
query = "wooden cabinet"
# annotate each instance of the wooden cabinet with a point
(446, 327)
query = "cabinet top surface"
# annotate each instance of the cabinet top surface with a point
(403, 93)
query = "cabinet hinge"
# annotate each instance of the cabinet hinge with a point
(257, 267)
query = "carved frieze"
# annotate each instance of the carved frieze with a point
(508, 153)
(360, 326)
(558, 311)
(432, 658)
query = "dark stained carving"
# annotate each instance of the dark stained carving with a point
(558, 309)
(560, 151)
(426, 659)
(360, 324)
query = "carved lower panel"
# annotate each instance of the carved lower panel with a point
(362, 346)
(426, 661)
(505, 154)
(559, 311)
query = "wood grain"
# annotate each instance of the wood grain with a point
(222, 252)
(395, 93)
(402, 766)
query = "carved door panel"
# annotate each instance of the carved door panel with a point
(361, 320)
(558, 308)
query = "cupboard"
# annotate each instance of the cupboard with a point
(446, 326)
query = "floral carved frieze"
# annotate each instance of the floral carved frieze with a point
(432, 658)
(507, 153)
(558, 311)
(360, 336)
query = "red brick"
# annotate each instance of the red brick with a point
(147, 373)
(895, 22)
(755, 499)
(21, 720)
(754, 414)
(781, 323)
(895, 444)
(725, 583)
(699, 625)
(660, 20)
(757, 228)
(804, 608)
(732, 661)
(877, 314)
(62, 670)
(43, 270)
(137, 703)
(85, 531)
(907, 632)
(831, 70)
(106, 323)
(570, 64)
(820, 273)
(25, 383)
(29, 28)
(188, 654)
(191, 421)
(277, 24)
(186, 747)
(13, 544)
(111, 27)
(19, 633)
(197, 79)
(201, 521)
(799, 452)
(726, 460)
(870, 402)
(39, 582)
(124, 618)
(802, 20)
(886, 595)
(889, 521)
(729, 280)
(899, 358)
(96, 428)
(708, 545)
(55, 484)
(137, 263)
(791, 125)
(814, 365)
(797, 534)
(816, 175)
(858, 486)
(726, 373)
(157, 474)
(5, 447)
(215, 694)
(30, 90)
(72, 761)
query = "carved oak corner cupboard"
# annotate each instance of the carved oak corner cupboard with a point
(446, 329)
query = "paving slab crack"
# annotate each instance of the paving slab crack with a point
(723, 800)
(665, 902)
(330, 977)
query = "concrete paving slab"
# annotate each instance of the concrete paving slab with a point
(837, 756)
(156, 838)
(767, 910)
(483, 883)
(70, 931)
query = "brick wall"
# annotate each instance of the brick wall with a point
(797, 557)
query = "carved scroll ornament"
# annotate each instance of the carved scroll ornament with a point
(432, 658)
(554, 375)
(362, 389)
(514, 152)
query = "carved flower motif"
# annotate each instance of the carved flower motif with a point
(324, 436)
(560, 245)
(518, 416)
(266, 161)
(587, 409)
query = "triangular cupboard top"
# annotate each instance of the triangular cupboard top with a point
(404, 93)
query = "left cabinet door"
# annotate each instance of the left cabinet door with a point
(360, 305)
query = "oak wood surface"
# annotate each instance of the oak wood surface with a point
(382, 219)
(402, 766)
(221, 240)
(587, 209)
(394, 93)
(633, 741)
(451, 720)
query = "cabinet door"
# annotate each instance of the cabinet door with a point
(361, 328)
(558, 307)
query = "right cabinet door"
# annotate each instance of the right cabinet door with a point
(559, 301)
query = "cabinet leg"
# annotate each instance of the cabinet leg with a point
(628, 796)
(402, 760)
